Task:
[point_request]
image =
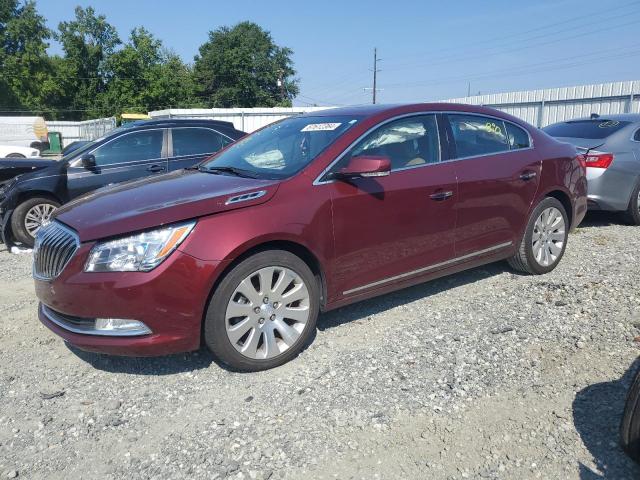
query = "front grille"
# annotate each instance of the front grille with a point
(54, 246)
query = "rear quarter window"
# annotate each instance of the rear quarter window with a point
(595, 129)
(518, 137)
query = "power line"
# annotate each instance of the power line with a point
(473, 54)
(600, 16)
(528, 69)
(469, 55)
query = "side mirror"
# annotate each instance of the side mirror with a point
(88, 161)
(366, 166)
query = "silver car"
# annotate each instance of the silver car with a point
(612, 143)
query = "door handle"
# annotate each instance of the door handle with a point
(155, 168)
(440, 196)
(528, 176)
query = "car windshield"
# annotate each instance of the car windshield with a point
(591, 129)
(282, 149)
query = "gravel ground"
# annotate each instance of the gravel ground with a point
(484, 374)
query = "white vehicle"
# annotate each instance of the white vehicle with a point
(23, 132)
(14, 151)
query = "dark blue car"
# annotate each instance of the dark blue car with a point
(30, 191)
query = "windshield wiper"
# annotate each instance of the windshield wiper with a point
(239, 172)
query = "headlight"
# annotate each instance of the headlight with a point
(138, 253)
(5, 187)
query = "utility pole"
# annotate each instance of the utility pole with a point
(468, 89)
(375, 73)
(375, 70)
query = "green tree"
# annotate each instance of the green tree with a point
(143, 76)
(26, 72)
(87, 42)
(243, 67)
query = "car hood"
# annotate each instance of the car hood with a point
(156, 201)
(10, 167)
(589, 143)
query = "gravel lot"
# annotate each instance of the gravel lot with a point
(484, 374)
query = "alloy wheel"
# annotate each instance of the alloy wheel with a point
(267, 312)
(549, 236)
(37, 216)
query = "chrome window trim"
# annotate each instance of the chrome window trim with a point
(77, 162)
(203, 128)
(428, 268)
(82, 172)
(318, 181)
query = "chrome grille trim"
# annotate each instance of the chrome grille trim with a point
(54, 247)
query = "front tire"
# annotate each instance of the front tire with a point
(630, 426)
(544, 240)
(15, 155)
(263, 312)
(29, 216)
(633, 211)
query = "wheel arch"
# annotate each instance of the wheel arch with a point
(291, 246)
(27, 194)
(565, 200)
(296, 248)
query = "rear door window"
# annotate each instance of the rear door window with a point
(478, 135)
(196, 141)
(636, 137)
(592, 129)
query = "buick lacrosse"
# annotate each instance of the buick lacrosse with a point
(314, 212)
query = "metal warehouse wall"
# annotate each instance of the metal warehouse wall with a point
(87, 130)
(543, 107)
(245, 119)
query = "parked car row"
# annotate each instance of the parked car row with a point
(241, 250)
(613, 159)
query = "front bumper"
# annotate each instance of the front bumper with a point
(170, 300)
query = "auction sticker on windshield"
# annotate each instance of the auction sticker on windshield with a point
(320, 127)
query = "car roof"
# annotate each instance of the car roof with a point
(399, 109)
(165, 122)
(621, 117)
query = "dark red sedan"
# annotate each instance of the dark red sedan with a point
(305, 215)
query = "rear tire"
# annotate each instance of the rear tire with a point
(15, 155)
(252, 322)
(545, 239)
(25, 218)
(630, 426)
(633, 211)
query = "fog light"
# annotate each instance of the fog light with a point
(121, 326)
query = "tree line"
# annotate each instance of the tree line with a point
(99, 74)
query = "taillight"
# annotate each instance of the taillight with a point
(582, 159)
(598, 159)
